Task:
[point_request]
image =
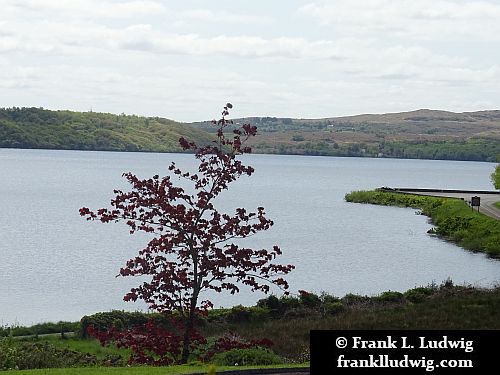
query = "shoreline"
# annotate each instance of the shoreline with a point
(252, 153)
(453, 219)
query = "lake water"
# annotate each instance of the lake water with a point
(57, 266)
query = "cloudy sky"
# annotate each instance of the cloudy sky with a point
(183, 59)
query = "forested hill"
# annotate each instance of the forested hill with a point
(41, 128)
(421, 134)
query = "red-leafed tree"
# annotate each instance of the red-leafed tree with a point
(194, 246)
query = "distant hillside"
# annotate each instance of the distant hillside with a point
(41, 128)
(422, 134)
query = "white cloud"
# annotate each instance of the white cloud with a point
(326, 58)
(92, 8)
(19, 77)
(422, 19)
(223, 16)
(59, 36)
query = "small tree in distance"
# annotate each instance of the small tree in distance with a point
(193, 247)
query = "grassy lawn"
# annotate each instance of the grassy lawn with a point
(139, 370)
(90, 346)
(497, 205)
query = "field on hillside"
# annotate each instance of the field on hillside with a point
(422, 134)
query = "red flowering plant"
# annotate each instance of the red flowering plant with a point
(194, 246)
(150, 343)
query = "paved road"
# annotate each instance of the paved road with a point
(487, 200)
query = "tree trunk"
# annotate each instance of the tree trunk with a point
(188, 330)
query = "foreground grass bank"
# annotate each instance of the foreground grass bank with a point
(286, 321)
(454, 220)
(143, 370)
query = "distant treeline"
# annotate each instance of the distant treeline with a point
(41, 128)
(45, 129)
(472, 150)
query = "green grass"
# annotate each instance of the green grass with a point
(497, 205)
(142, 370)
(431, 307)
(90, 346)
(454, 220)
(446, 308)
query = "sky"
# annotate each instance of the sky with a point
(184, 59)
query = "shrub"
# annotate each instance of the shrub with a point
(390, 296)
(417, 295)
(25, 355)
(328, 298)
(238, 314)
(277, 307)
(447, 284)
(301, 312)
(150, 343)
(39, 329)
(492, 245)
(355, 299)
(242, 314)
(118, 319)
(331, 308)
(309, 300)
(230, 341)
(246, 357)
(272, 302)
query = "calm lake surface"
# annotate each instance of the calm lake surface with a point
(57, 266)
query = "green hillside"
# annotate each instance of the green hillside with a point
(41, 128)
(421, 134)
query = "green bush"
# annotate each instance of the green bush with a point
(246, 357)
(390, 296)
(238, 314)
(417, 295)
(300, 312)
(242, 314)
(277, 307)
(119, 319)
(355, 299)
(309, 300)
(328, 298)
(24, 355)
(40, 329)
(7, 354)
(332, 308)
